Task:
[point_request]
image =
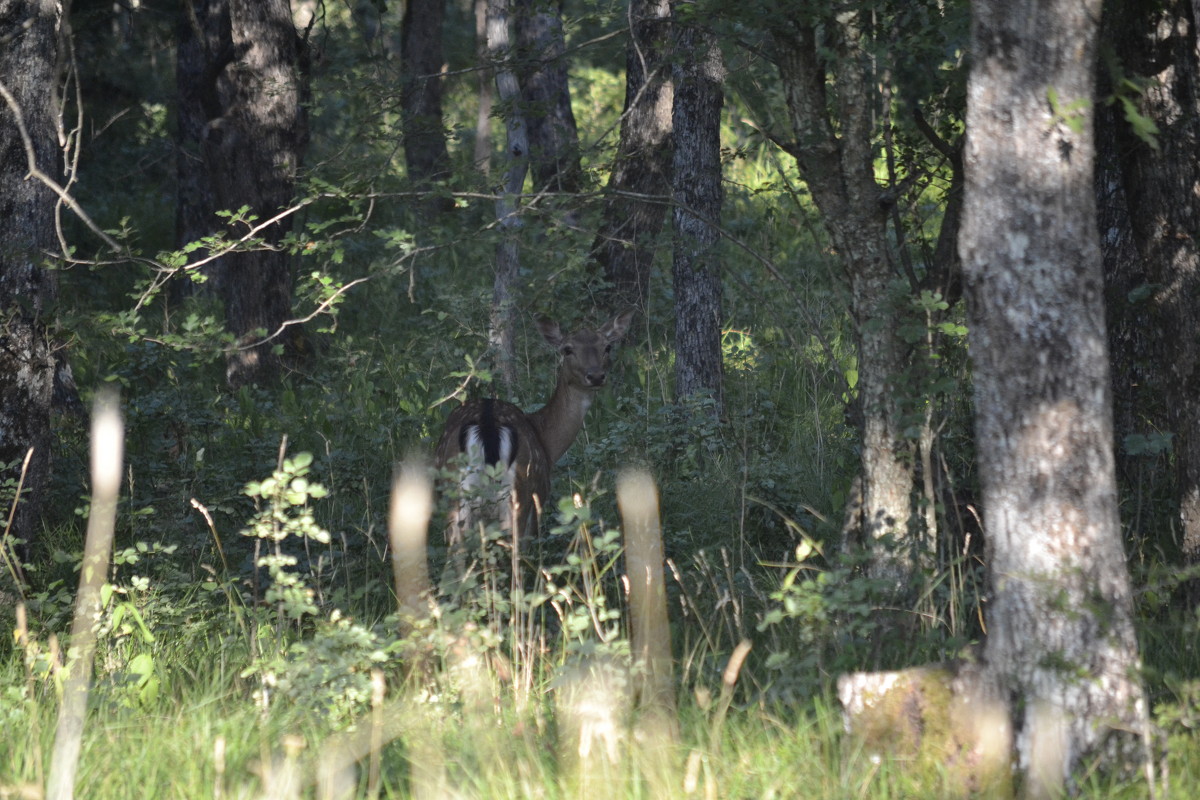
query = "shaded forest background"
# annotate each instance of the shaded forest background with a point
(394, 287)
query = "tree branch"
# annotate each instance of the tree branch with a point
(48, 181)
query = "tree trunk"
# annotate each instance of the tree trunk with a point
(482, 157)
(546, 97)
(1061, 639)
(203, 49)
(508, 204)
(1161, 43)
(29, 31)
(1133, 340)
(834, 151)
(421, 61)
(640, 181)
(253, 150)
(699, 72)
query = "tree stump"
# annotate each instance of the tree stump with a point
(940, 718)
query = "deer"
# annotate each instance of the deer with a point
(488, 432)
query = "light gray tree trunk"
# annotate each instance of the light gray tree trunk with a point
(482, 157)
(504, 292)
(1061, 644)
(699, 73)
(834, 149)
(29, 31)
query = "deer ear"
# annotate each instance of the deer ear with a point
(616, 327)
(550, 331)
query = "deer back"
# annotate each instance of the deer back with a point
(483, 433)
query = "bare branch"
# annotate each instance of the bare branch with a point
(48, 181)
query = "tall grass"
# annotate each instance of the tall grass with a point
(233, 716)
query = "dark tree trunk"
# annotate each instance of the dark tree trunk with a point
(945, 267)
(253, 148)
(1159, 41)
(203, 49)
(1061, 643)
(641, 176)
(834, 150)
(28, 72)
(425, 152)
(546, 97)
(1134, 337)
(699, 72)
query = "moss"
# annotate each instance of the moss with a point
(935, 720)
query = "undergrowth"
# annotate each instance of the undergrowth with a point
(227, 668)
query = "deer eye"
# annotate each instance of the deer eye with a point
(607, 349)
(568, 350)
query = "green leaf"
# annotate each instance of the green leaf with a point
(804, 550)
(778, 659)
(772, 617)
(1073, 114)
(1142, 126)
(142, 664)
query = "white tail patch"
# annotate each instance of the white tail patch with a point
(475, 463)
(528, 444)
(476, 450)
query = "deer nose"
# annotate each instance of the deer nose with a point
(595, 378)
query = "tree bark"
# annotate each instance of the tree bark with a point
(546, 97)
(1160, 42)
(421, 59)
(203, 49)
(253, 145)
(698, 74)
(508, 203)
(1134, 342)
(834, 151)
(640, 181)
(1061, 643)
(483, 116)
(29, 31)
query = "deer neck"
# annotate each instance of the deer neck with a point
(560, 420)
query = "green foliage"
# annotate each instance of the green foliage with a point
(1074, 114)
(579, 588)
(10, 492)
(282, 514)
(1127, 91)
(327, 673)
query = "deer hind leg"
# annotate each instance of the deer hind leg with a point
(485, 494)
